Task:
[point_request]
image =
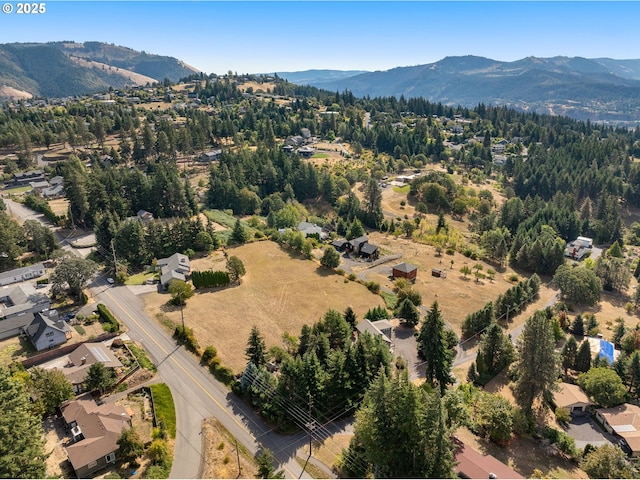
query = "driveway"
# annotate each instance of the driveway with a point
(585, 430)
(405, 345)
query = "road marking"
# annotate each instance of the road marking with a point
(237, 422)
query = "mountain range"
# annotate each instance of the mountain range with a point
(601, 89)
(60, 69)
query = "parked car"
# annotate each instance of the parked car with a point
(110, 281)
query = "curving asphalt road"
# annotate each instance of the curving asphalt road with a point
(197, 395)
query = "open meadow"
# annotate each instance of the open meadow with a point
(281, 292)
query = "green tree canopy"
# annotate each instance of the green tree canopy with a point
(578, 285)
(607, 461)
(433, 345)
(72, 273)
(22, 453)
(180, 291)
(235, 268)
(604, 386)
(537, 363)
(330, 258)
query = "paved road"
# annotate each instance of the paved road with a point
(197, 395)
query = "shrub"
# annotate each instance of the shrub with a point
(111, 324)
(187, 338)
(562, 415)
(209, 353)
(373, 287)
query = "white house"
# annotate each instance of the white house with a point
(47, 330)
(22, 274)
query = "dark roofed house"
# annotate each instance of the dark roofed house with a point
(47, 330)
(369, 250)
(405, 270)
(341, 245)
(210, 156)
(306, 151)
(95, 430)
(356, 244)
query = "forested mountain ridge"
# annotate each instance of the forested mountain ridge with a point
(62, 69)
(597, 89)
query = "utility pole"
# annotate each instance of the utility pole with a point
(115, 263)
(181, 314)
(238, 455)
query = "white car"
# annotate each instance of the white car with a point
(110, 281)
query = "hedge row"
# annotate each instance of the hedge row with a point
(111, 324)
(209, 279)
(509, 303)
(40, 205)
(185, 336)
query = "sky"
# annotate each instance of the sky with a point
(267, 36)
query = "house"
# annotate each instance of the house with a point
(22, 274)
(55, 191)
(341, 245)
(175, 267)
(578, 248)
(498, 148)
(39, 186)
(210, 156)
(287, 149)
(471, 464)
(379, 328)
(305, 132)
(499, 159)
(306, 151)
(81, 359)
(369, 251)
(57, 180)
(311, 229)
(624, 421)
(356, 244)
(572, 398)
(144, 216)
(18, 305)
(47, 330)
(95, 430)
(405, 270)
(24, 178)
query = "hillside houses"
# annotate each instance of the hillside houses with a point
(47, 330)
(18, 305)
(175, 267)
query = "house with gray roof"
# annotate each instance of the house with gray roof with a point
(18, 305)
(81, 359)
(175, 267)
(22, 274)
(47, 330)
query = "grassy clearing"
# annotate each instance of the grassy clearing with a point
(402, 190)
(165, 409)
(390, 299)
(141, 356)
(320, 155)
(18, 190)
(80, 329)
(139, 278)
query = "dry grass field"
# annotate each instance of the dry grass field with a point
(280, 293)
(221, 456)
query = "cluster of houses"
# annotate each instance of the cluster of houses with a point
(52, 188)
(359, 247)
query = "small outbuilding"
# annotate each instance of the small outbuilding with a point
(405, 270)
(572, 398)
(437, 272)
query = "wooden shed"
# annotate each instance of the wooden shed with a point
(405, 270)
(436, 272)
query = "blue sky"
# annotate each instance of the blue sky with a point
(268, 36)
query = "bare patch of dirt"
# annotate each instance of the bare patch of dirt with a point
(221, 454)
(55, 438)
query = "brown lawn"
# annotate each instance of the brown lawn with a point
(221, 456)
(280, 293)
(456, 296)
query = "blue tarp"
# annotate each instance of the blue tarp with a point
(606, 350)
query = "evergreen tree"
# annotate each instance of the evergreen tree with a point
(350, 317)
(22, 453)
(256, 348)
(537, 365)
(496, 349)
(618, 332)
(433, 346)
(633, 375)
(577, 327)
(583, 357)
(408, 313)
(396, 414)
(569, 354)
(239, 233)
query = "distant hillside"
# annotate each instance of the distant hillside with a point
(66, 68)
(310, 77)
(598, 89)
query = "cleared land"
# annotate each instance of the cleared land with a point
(280, 293)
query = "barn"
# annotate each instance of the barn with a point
(405, 270)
